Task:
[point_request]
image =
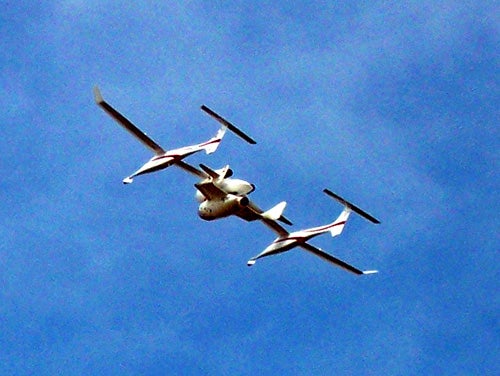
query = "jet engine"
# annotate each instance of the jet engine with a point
(236, 187)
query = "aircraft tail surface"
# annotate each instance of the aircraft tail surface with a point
(275, 212)
(338, 225)
(211, 145)
(228, 125)
(351, 207)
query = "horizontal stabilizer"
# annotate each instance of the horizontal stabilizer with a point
(229, 126)
(353, 207)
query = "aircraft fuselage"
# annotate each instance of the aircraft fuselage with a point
(221, 208)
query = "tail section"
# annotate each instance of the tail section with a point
(226, 124)
(338, 225)
(351, 207)
(212, 144)
(335, 228)
(275, 212)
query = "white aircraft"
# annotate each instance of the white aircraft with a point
(221, 196)
(286, 241)
(162, 158)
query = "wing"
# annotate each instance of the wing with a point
(191, 169)
(225, 172)
(275, 226)
(127, 124)
(327, 257)
(210, 190)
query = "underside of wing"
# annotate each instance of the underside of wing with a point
(212, 173)
(275, 226)
(250, 212)
(210, 190)
(127, 124)
(327, 257)
(191, 169)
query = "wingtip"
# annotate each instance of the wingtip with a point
(370, 272)
(97, 95)
(250, 140)
(250, 262)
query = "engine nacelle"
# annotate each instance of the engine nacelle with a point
(214, 209)
(236, 187)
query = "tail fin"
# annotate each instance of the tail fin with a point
(275, 212)
(351, 206)
(338, 225)
(212, 144)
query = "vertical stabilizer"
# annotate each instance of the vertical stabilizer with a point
(275, 212)
(212, 144)
(338, 225)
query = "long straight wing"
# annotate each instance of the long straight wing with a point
(191, 169)
(275, 226)
(250, 212)
(229, 125)
(127, 124)
(327, 257)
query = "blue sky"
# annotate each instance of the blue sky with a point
(393, 105)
